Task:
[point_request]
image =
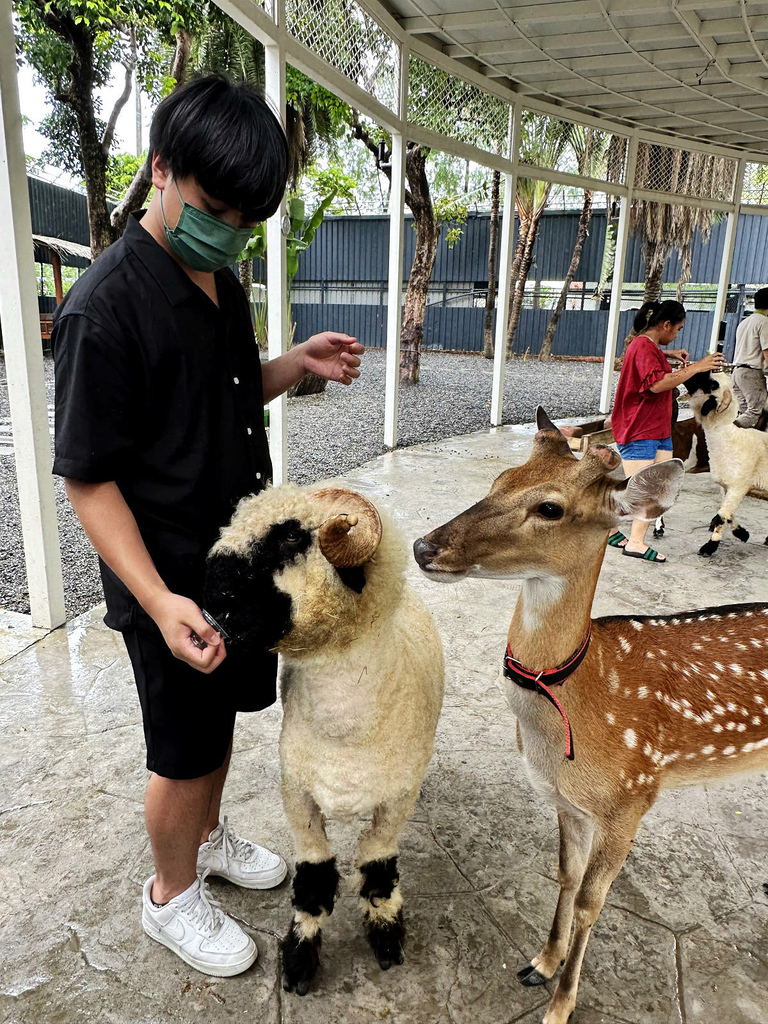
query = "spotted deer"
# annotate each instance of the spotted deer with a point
(609, 711)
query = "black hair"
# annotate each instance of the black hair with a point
(651, 314)
(761, 298)
(226, 136)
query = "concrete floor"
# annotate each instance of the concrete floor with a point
(684, 936)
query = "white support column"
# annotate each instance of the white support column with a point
(395, 271)
(277, 278)
(727, 258)
(23, 353)
(622, 237)
(506, 250)
(394, 290)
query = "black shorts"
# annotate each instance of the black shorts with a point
(189, 717)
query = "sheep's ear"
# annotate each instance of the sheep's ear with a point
(354, 577)
(650, 491)
(709, 406)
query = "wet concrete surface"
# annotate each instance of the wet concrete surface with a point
(683, 937)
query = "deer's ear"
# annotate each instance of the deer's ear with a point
(650, 491)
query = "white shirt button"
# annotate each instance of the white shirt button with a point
(236, 380)
(249, 430)
(258, 476)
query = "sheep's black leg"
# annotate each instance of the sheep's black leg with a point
(314, 893)
(658, 529)
(383, 910)
(716, 529)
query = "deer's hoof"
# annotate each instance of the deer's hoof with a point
(530, 977)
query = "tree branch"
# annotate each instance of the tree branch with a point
(130, 66)
(360, 132)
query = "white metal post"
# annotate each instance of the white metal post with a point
(505, 263)
(23, 353)
(277, 278)
(622, 236)
(394, 289)
(395, 271)
(727, 258)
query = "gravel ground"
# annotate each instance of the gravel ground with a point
(328, 435)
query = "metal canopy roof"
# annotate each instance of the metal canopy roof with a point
(693, 69)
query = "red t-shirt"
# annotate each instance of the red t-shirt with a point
(640, 414)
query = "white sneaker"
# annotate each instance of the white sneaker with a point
(239, 860)
(195, 927)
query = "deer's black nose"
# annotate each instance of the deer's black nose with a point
(424, 551)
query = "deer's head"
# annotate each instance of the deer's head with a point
(553, 512)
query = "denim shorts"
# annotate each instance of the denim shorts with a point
(644, 449)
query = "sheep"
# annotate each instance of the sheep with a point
(738, 457)
(318, 576)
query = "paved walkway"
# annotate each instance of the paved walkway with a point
(685, 932)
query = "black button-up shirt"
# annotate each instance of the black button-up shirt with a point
(160, 390)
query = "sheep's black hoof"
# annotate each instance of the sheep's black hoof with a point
(530, 977)
(709, 548)
(716, 521)
(658, 530)
(765, 542)
(386, 941)
(765, 888)
(301, 958)
(741, 534)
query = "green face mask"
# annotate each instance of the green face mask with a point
(203, 241)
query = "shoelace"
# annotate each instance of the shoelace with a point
(205, 911)
(233, 845)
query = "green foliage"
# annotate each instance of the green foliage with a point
(121, 170)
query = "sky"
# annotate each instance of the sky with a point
(33, 105)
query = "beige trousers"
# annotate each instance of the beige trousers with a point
(751, 394)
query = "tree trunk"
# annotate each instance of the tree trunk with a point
(493, 250)
(141, 185)
(581, 234)
(526, 242)
(655, 256)
(427, 235)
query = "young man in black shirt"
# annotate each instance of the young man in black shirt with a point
(159, 433)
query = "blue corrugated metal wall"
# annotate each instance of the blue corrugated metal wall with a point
(355, 249)
(460, 328)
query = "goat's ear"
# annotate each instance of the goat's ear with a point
(650, 491)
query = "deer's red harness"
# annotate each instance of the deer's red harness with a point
(541, 681)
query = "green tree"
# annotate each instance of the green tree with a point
(72, 46)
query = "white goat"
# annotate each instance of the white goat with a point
(315, 576)
(738, 457)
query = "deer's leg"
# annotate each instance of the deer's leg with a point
(380, 897)
(575, 840)
(610, 846)
(314, 890)
(725, 517)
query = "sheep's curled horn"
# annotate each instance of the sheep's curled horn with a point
(352, 532)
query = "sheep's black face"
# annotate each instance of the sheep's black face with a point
(703, 381)
(240, 591)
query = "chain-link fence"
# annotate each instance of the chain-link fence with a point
(450, 106)
(560, 145)
(681, 172)
(345, 36)
(755, 190)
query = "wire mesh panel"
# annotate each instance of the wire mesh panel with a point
(755, 191)
(455, 108)
(345, 36)
(572, 148)
(680, 172)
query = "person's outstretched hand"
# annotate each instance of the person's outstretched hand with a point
(333, 356)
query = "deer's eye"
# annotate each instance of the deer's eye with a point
(549, 510)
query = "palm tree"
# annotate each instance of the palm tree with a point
(543, 141)
(589, 147)
(493, 250)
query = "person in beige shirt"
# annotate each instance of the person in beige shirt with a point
(750, 359)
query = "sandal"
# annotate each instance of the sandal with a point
(650, 555)
(617, 540)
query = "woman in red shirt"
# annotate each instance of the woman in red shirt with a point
(641, 420)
